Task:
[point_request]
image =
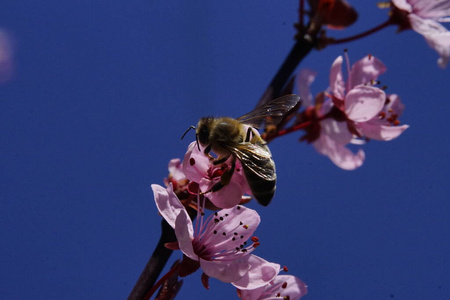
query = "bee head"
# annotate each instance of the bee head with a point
(203, 130)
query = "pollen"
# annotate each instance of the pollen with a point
(245, 226)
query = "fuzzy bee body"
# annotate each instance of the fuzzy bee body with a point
(228, 137)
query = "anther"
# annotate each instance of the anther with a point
(192, 161)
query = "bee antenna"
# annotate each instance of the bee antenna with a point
(198, 145)
(192, 127)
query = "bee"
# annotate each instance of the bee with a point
(230, 138)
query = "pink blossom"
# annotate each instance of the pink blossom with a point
(218, 243)
(355, 109)
(282, 287)
(199, 168)
(424, 17)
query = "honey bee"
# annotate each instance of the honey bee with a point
(228, 137)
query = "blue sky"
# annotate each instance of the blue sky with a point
(102, 92)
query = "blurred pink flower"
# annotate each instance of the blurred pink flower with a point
(218, 243)
(198, 168)
(6, 56)
(424, 17)
(305, 78)
(282, 287)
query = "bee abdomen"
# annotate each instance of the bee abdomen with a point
(262, 189)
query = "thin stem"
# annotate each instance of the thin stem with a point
(155, 264)
(301, 48)
(174, 269)
(332, 41)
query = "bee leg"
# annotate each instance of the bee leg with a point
(219, 160)
(251, 136)
(207, 150)
(247, 136)
(226, 176)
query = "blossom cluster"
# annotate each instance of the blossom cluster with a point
(221, 244)
(351, 111)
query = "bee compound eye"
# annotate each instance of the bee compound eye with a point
(203, 134)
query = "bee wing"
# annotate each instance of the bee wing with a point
(275, 109)
(255, 158)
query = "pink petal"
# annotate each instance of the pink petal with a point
(431, 9)
(436, 35)
(337, 83)
(338, 153)
(254, 294)
(363, 103)
(337, 131)
(374, 130)
(7, 68)
(236, 226)
(295, 287)
(176, 169)
(228, 196)
(185, 234)
(304, 80)
(168, 204)
(261, 272)
(195, 163)
(285, 286)
(425, 26)
(226, 271)
(365, 70)
(403, 5)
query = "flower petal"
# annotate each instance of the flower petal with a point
(261, 272)
(338, 153)
(365, 70)
(168, 204)
(195, 163)
(231, 228)
(304, 80)
(435, 9)
(176, 170)
(226, 271)
(363, 103)
(295, 288)
(337, 84)
(403, 5)
(374, 130)
(284, 286)
(185, 234)
(337, 131)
